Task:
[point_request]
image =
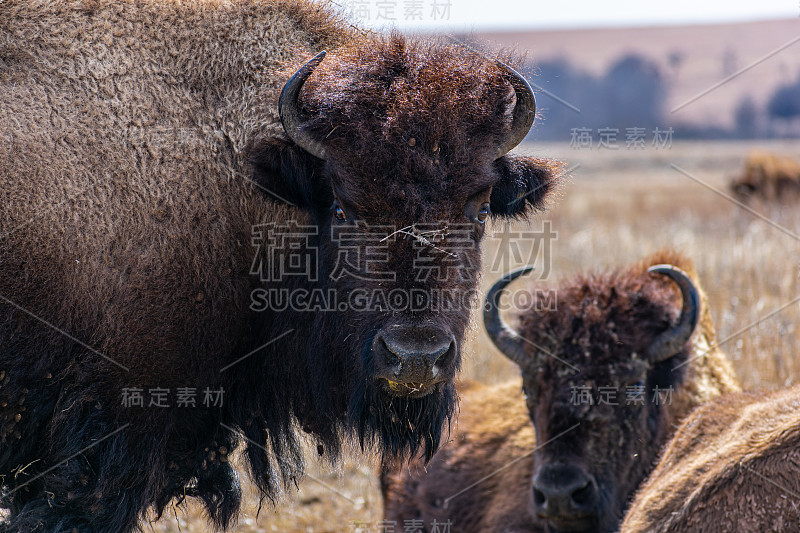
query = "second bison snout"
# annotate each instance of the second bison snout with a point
(566, 497)
(411, 360)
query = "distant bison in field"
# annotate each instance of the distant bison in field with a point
(768, 176)
(597, 374)
(171, 173)
(733, 465)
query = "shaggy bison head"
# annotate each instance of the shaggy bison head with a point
(598, 374)
(397, 154)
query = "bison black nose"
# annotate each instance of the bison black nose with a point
(413, 355)
(565, 494)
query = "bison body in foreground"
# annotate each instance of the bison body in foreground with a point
(607, 376)
(733, 465)
(162, 181)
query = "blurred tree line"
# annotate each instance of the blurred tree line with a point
(783, 107)
(632, 93)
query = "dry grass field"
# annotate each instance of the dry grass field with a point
(617, 207)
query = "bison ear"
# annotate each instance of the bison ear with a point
(286, 172)
(524, 185)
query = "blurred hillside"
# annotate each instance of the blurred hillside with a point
(637, 77)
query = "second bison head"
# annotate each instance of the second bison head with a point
(606, 376)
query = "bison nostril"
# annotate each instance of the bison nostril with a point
(584, 494)
(391, 356)
(441, 356)
(434, 356)
(563, 491)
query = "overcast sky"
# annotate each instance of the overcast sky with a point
(481, 15)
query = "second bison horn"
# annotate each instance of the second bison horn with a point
(524, 110)
(508, 341)
(672, 341)
(291, 117)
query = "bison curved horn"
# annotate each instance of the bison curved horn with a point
(290, 115)
(672, 341)
(508, 341)
(524, 110)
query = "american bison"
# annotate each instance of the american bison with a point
(164, 187)
(733, 465)
(606, 378)
(768, 176)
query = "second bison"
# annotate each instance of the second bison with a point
(607, 377)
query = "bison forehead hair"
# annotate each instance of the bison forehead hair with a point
(411, 122)
(605, 318)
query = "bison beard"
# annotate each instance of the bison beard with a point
(401, 426)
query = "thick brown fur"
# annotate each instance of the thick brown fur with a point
(140, 147)
(482, 479)
(768, 176)
(733, 465)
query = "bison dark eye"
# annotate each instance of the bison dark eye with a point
(338, 212)
(483, 213)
